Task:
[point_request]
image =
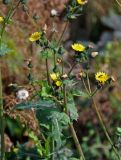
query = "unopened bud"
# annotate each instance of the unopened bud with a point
(45, 28)
(64, 76)
(113, 79)
(94, 54)
(58, 61)
(82, 74)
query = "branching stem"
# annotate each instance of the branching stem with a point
(76, 141)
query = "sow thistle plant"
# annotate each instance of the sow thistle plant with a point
(54, 103)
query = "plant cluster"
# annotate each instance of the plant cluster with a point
(54, 101)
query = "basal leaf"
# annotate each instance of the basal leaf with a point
(41, 104)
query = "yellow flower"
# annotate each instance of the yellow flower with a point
(1, 19)
(81, 2)
(58, 83)
(78, 47)
(35, 36)
(101, 77)
(54, 76)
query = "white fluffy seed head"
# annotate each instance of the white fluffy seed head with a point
(54, 12)
(22, 94)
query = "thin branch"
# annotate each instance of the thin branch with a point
(47, 70)
(72, 68)
(105, 129)
(64, 30)
(76, 141)
(118, 3)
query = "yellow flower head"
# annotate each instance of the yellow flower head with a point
(81, 2)
(78, 47)
(35, 36)
(54, 76)
(1, 19)
(101, 77)
(58, 83)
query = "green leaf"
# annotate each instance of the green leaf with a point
(62, 118)
(56, 132)
(80, 94)
(59, 120)
(41, 104)
(46, 53)
(69, 83)
(72, 108)
(4, 50)
(44, 91)
(44, 116)
(38, 145)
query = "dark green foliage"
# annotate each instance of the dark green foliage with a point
(6, 2)
(41, 104)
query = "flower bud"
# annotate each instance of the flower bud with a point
(64, 76)
(113, 79)
(58, 61)
(94, 54)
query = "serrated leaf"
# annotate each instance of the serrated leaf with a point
(59, 120)
(72, 108)
(62, 118)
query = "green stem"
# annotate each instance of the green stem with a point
(94, 92)
(53, 145)
(88, 82)
(72, 68)
(64, 30)
(77, 144)
(62, 66)
(54, 60)
(31, 19)
(105, 130)
(1, 119)
(2, 145)
(76, 141)
(102, 123)
(118, 3)
(85, 86)
(47, 70)
(9, 15)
